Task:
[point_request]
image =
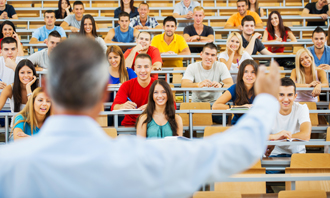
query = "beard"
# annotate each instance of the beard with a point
(169, 34)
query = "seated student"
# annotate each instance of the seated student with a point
(41, 34)
(122, 33)
(41, 58)
(292, 121)
(254, 7)
(29, 121)
(143, 20)
(320, 51)
(241, 93)
(133, 94)
(234, 54)
(7, 11)
(128, 7)
(235, 20)
(276, 31)
(184, 9)
(25, 83)
(8, 30)
(306, 74)
(171, 43)
(72, 22)
(159, 120)
(143, 42)
(118, 71)
(88, 28)
(198, 32)
(64, 9)
(251, 41)
(317, 9)
(207, 73)
(8, 61)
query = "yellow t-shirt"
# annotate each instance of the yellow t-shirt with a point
(235, 19)
(177, 45)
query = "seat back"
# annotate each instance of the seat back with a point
(178, 77)
(213, 194)
(112, 132)
(102, 119)
(210, 130)
(313, 116)
(199, 119)
(303, 194)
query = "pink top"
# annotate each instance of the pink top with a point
(306, 96)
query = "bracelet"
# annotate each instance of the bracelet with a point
(29, 94)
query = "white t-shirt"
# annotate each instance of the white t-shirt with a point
(234, 66)
(6, 74)
(196, 73)
(40, 58)
(291, 122)
(102, 43)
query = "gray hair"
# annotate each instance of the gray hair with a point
(77, 74)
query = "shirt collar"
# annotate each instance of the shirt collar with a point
(190, 5)
(139, 20)
(174, 39)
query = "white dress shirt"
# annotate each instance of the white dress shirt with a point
(72, 157)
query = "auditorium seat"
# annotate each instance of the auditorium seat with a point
(303, 194)
(309, 163)
(313, 116)
(210, 130)
(199, 119)
(110, 131)
(213, 194)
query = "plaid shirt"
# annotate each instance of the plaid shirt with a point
(151, 22)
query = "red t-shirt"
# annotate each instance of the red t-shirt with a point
(153, 52)
(136, 93)
(277, 49)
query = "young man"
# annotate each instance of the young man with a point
(207, 73)
(292, 121)
(235, 20)
(41, 58)
(171, 43)
(184, 9)
(122, 33)
(134, 93)
(143, 20)
(317, 9)
(7, 11)
(320, 51)
(143, 42)
(251, 41)
(8, 61)
(73, 21)
(198, 32)
(41, 34)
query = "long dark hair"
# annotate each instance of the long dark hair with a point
(7, 23)
(82, 28)
(169, 109)
(17, 94)
(271, 29)
(242, 95)
(130, 5)
(59, 11)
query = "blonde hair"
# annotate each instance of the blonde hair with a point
(28, 112)
(300, 71)
(240, 48)
(199, 8)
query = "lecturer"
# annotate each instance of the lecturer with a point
(72, 156)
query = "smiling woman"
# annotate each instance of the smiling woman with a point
(29, 121)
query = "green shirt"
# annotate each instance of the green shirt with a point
(156, 131)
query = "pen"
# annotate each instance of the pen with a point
(129, 100)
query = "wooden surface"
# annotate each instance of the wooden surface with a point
(213, 194)
(199, 119)
(208, 131)
(303, 194)
(112, 132)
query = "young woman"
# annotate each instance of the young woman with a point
(159, 119)
(64, 9)
(276, 31)
(127, 6)
(306, 74)
(119, 73)
(8, 30)
(254, 6)
(88, 28)
(234, 54)
(241, 93)
(25, 82)
(29, 121)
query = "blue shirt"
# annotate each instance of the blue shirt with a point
(325, 59)
(26, 128)
(42, 33)
(73, 157)
(125, 37)
(232, 91)
(131, 75)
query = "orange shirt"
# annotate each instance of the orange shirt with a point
(235, 19)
